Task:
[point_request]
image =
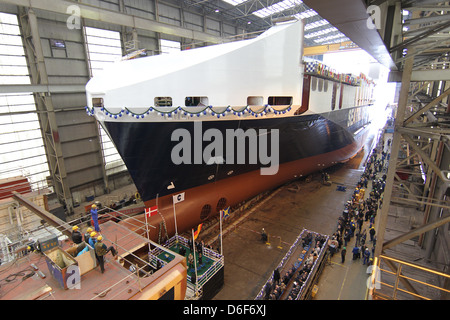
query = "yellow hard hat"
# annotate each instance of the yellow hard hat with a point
(93, 234)
(75, 228)
(94, 206)
(99, 238)
(89, 230)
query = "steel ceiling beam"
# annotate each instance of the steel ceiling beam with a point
(327, 48)
(422, 75)
(42, 88)
(419, 37)
(422, 29)
(418, 231)
(421, 3)
(429, 8)
(437, 18)
(435, 44)
(427, 107)
(90, 12)
(351, 18)
(51, 219)
(431, 75)
(432, 164)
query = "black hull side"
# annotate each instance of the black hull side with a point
(146, 147)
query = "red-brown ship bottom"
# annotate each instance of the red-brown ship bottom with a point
(234, 189)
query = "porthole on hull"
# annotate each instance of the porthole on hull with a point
(221, 204)
(206, 210)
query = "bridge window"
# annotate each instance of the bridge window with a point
(255, 101)
(313, 83)
(280, 101)
(97, 102)
(196, 101)
(163, 102)
(320, 85)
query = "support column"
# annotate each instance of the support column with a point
(44, 105)
(403, 99)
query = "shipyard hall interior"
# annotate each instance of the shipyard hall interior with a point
(225, 155)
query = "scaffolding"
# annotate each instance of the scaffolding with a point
(420, 152)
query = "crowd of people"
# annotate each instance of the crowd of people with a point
(312, 245)
(305, 270)
(358, 218)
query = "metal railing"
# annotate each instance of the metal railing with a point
(282, 262)
(406, 272)
(204, 277)
(311, 275)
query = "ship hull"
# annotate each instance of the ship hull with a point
(234, 190)
(307, 143)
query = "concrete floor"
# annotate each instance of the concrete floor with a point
(249, 262)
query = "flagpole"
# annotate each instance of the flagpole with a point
(175, 218)
(195, 260)
(221, 247)
(175, 199)
(157, 212)
(146, 227)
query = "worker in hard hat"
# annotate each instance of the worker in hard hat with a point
(76, 235)
(92, 239)
(94, 216)
(87, 235)
(101, 250)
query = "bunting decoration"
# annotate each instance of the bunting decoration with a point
(318, 68)
(207, 111)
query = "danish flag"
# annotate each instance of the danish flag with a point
(151, 211)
